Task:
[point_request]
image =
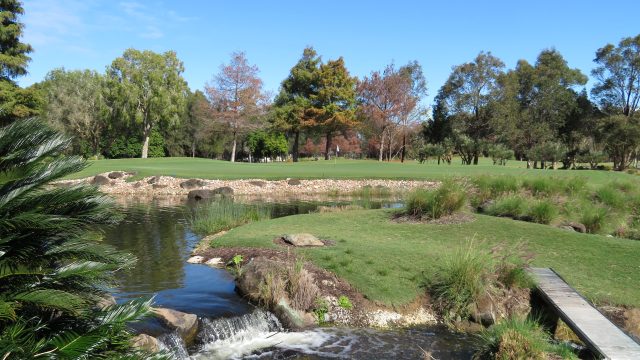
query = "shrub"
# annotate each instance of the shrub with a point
(516, 338)
(447, 199)
(301, 286)
(574, 185)
(543, 212)
(225, 214)
(510, 206)
(464, 277)
(593, 218)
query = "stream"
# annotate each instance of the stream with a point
(157, 231)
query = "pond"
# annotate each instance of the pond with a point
(158, 232)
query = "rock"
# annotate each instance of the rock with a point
(302, 239)
(137, 184)
(214, 262)
(294, 182)
(567, 227)
(258, 183)
(153, 180)
(192, 184)
(578, 227)
(484, 311)
(146, 343)
(100, 180)
(115, 175)
(106, 301)
(202, 194)
(292, 318)
(196, 259)
(185, 324)
(159, 186)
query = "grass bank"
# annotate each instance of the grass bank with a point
(389, 261)
(340, 169)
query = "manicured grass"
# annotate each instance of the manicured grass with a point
(340, 169)
(389, 261)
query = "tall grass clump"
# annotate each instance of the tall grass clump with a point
(225, 214)
(464, 277)
(518, 338)
(574, 185)
(593, 218)
(611, 196)
(513, 206)
(542, 186)
(434, 204)
(543, 212)
(489, 187)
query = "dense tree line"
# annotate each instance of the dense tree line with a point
(141, 106)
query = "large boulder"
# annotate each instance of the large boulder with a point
(202, 194)
(578, 227)
(302, 239)
(146, 343)
(258, 183)
(100, 180)
(159, 186)
(192, 184)
(294, 182)
(115, 175)
(153, 180)
(185, 324)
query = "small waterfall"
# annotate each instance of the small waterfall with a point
(173, 343)
(239, 328)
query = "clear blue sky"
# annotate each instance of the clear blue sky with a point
(81, 34)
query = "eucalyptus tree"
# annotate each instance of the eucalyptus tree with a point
(617, 76)
(146, 90)
(469, 93)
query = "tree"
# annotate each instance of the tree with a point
(618, 76)
(469, 93)
(146, 89)
(438, 128)
(267, 144)
(412, 113)
(74, 103)
(334, 105)
(54, 272)
(236, 96)
(535, 103)
(621, 139)
(292, 106)
(14, 102)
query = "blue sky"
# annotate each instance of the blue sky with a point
(89, 34)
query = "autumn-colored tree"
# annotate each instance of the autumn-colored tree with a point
(236, 97)
(294, 102)
(334, 105)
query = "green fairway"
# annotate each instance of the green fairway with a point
(340, 169)
(388, 261)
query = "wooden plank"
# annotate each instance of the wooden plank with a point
(594, 329)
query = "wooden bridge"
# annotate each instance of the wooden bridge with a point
(599, 334)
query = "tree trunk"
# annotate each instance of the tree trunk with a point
(145, 144)
(476, 155)
(327, 149)
(233, 149)
(381, 155)
(296, 146)
(193, 149)
(404, 143)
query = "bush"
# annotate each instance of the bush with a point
(225, 214)
(543, 212)
(464, 277)
(510, 206)
(447, 199)
(345, 303)
(593, 218)
(516, 338)
(574, 185)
